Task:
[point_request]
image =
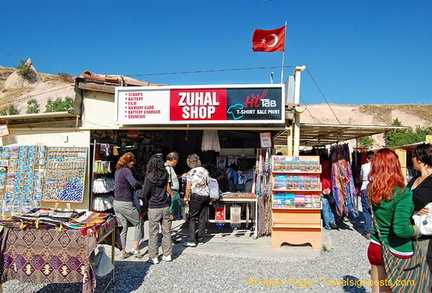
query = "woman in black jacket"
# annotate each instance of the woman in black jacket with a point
(155, 190)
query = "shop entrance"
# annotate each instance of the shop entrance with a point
(237, 155)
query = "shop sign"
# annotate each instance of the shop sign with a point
(200, 104)
(266, 140)
(4, 129)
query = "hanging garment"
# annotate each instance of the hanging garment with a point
(103, 185)
(210, 141)
(343, 182)
(102, 202)
(105, 149)
(102, 167)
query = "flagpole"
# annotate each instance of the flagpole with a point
(283, 54)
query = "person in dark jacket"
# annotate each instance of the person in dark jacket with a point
(155, 189)
(421, 187)
(124, 208)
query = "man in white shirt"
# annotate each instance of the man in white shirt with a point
(364, 174)
(173, 187)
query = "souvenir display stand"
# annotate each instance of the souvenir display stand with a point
(22, 176)
(296, 209)
(65, 174)
(42, 247)
(32, 174)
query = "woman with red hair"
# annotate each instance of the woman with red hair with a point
(392, 207)
(124, 208)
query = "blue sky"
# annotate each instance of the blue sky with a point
(356, 52)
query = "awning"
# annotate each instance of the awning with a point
(312, 134)
(39, 118)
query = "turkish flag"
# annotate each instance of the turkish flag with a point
(269, 40)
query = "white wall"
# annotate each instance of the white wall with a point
(99, 111)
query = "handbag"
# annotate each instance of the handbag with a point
(136, 201)
(405, 275)
(140, 201)
(101, 263)
(214, 191)
(424, 222)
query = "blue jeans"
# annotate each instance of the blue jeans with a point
(327, 212)
(366, 212)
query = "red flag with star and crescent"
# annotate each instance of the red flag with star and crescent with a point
(269, 40)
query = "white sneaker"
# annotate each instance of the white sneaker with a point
(154, 261)
(189, 244)
(136, 253)
(167, 258)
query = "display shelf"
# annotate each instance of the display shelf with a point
(296, 190)
(285, 209)
(102, 176)
(288, 172)
(103, 166)
(296, 201)
(22, 174)
(65, 174)
(296, 164)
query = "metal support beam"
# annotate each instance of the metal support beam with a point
(290, 142)
(297, 79)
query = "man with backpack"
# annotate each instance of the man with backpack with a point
(197, 192)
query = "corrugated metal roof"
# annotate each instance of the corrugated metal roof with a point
(312, 134)
(39, 117)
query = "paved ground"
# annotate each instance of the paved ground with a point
(230, 243)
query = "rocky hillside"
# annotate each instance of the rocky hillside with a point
(408, 115)
(18, 91)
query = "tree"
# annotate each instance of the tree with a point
(407, 136)
(396, 122)
(65, 77)
(25, 71)
(366, 142)
(32, 106)
(59, 105)
(12, 110)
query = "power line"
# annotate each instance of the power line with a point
(307, 109)
(208, 71)
(25, 96)
(307, 70)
